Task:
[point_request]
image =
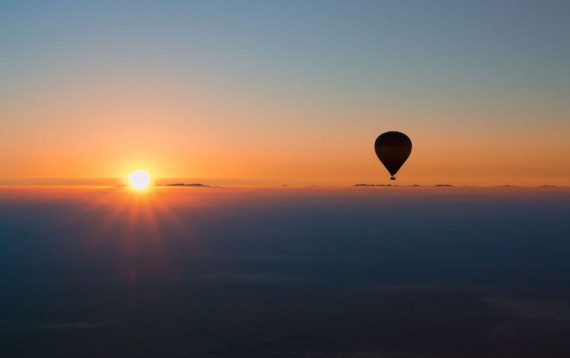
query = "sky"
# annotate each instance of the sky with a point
(285, 92)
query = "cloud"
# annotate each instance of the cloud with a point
(198, 185)
(19, 325)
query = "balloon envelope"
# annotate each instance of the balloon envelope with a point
(393, 148)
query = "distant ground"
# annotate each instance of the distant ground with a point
(357, 272)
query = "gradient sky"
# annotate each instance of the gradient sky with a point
(285, 91)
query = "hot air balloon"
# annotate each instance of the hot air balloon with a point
(393, 148)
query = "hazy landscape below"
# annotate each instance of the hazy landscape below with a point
(220, 272)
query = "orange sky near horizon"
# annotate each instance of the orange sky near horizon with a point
(84, 133)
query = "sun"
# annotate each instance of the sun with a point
(139, 179)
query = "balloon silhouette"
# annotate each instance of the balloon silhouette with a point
(393, 148)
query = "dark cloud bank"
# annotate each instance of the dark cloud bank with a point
(226, 273)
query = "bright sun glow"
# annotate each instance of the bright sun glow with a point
(139, 179)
